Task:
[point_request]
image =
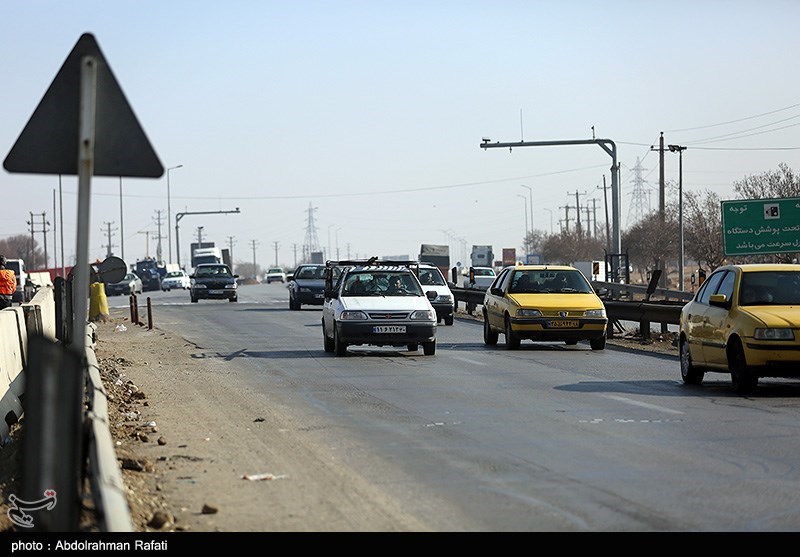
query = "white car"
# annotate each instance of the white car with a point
(275, 274)
(431, 278)
(175, 279)
(376, 303)
(480, 277)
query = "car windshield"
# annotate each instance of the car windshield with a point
(484, 272)
(547, 281)
(431, 277)
(771, 288)
(207, 272)
(174, 274)
(378, 283)
(310, 273)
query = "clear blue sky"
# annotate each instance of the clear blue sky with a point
(372, 113)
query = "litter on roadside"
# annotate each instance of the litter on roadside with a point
(265, 476)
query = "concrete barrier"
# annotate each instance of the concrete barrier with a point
(17, 323)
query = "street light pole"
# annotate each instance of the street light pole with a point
(679, 149)
(530, 192)
(551, 219)
(169, 213)
(525, 240)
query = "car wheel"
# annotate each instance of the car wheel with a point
(448, 320)
(742, 378)
(598, 343)
(570, 342)
(327, 342)
(690, 374)
(293, 304)
(234, 299)
(489, 336)
(512, 340)
(339, 347)
(413, 347)
(193, 298)
(429, 348)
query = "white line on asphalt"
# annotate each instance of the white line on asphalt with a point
(469, 361)
(643, 404)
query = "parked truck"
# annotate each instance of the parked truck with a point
(437, 255)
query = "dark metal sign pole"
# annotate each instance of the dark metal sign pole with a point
(86, 119)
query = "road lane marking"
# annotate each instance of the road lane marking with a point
(469, 361)
(643, 404)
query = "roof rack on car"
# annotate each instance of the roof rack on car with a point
(371, 262)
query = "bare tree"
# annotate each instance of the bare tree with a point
(769, 185)
(650, 242)
(20, 247)
(702, 225)
(568, 247)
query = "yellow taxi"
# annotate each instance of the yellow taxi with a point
(744, 320)
(543, 303)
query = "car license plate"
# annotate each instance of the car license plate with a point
(564, 324)
(389, 329)
(318, 295)
(214, 292)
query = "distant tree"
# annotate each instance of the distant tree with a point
(651, 242)
(702, 228)
(769, 185)
(568, 247)
(20, 247)
(247, 270)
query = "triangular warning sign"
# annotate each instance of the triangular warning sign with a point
(49, 142)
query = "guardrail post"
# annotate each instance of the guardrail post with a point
(149, 314)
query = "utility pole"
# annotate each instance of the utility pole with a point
(275, 245)
(578, 212)
(200, 235)
(44, 230)
(294, 249)
(254, 244)
(230, 248)
(608, 223)
(566, 217)
(109, 245)
(159, 237)
(661, 186)
(146, 242)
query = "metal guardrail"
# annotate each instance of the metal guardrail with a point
(666, 311)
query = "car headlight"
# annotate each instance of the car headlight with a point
(195, 285)
(422, 315)
(595, 313)
(353, 316)
(522, 312)
(232, 285)
(774, 334)
(444, 299)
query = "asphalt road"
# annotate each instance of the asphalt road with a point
(547, 438)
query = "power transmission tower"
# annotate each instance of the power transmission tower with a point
(640, 200)
(311, 240)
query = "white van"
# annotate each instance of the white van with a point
(430, 277)
(18, 266)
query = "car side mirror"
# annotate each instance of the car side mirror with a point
(235, 276)
(431, 294)
(718, 300)
(191, 276)
(497, 291)
(330, 293)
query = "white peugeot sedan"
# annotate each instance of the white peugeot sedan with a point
(378, 303)
(175, 279)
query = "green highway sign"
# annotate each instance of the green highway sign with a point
(761, 226)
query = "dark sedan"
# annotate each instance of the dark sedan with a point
(307, 286)
(213, 281)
